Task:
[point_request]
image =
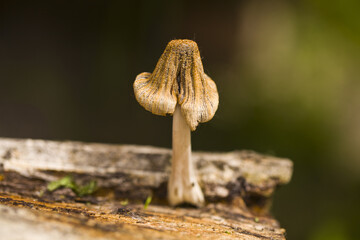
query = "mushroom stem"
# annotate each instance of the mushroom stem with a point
(183, 186)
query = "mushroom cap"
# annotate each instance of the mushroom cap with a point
(178, 78)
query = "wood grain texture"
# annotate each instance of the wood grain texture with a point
(36, 219)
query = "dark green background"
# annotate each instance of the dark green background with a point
(287, 74)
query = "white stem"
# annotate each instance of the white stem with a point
(183, 186)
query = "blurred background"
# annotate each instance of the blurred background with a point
(287, 74)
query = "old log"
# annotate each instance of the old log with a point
(237, 185)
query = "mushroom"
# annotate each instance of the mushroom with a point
(178, 86)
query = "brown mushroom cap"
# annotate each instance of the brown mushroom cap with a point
(178, 78)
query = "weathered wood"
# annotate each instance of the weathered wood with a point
(125, 167)
(237, 185)
(24, 218)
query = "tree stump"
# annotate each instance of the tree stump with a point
(237, 185)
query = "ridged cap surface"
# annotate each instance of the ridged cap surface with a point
(178, 78)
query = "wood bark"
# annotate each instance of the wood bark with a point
(237, 186)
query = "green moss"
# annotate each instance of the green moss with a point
(147, 202)
(68, 182)
(124, 202)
